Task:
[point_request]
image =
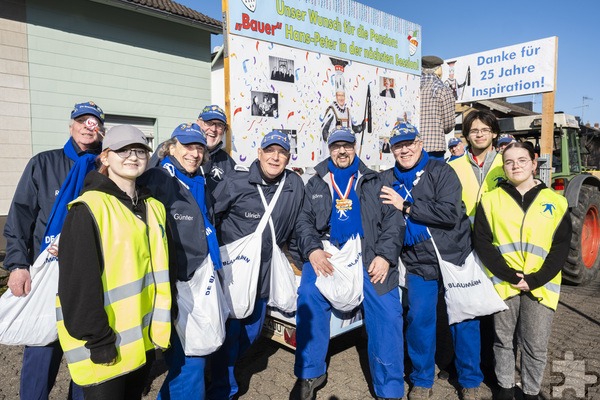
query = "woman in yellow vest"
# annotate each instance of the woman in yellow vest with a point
(114, 299)
(522, 233)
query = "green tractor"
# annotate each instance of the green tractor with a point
(578, 183)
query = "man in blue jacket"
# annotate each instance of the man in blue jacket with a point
(238, 211)
(353, 210)
(427, 192)
(213, 121)
(50, 180)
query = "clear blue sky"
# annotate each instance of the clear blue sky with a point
(452, 29)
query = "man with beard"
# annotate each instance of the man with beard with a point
(341, 205)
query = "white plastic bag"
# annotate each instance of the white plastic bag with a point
(469, 293)
(343, 289)
(31, 320)
(241, 265)
(239, 275)
(203, 312)
(283, 289)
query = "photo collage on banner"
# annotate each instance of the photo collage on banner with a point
(307, 67)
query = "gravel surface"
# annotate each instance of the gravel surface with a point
(266, 371)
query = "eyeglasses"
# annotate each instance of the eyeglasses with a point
(337, 146)
(126, 153)
(217, 125)
(271, 152)
(521, 162)
(483, 131)
(409, 144)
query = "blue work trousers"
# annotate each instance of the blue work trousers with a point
(420, 337)
(185, 379)
(38, 374)
(240, 334)
(382, 318)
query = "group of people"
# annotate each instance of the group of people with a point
(133, 226)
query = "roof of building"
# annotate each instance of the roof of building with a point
(170, 9)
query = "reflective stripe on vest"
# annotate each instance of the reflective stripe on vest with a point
(137, 296)
(471, 189)
(525, 239)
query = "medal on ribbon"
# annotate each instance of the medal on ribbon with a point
(342, 204)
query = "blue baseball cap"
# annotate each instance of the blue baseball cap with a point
(453, 142)
(341, 135)
(275, 137)
(189, 133)
(213, 112)
(403, 132)
(505, 139)
(86, 108)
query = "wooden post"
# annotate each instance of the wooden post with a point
(226, 83)
(547, 135)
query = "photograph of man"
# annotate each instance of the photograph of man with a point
(388, 88)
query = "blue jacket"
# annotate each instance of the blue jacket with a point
(383, 227)
(238, 209)
(184, 219)
(219, 165)
(31, 206)
(437, 203)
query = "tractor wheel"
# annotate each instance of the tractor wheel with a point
(583, 261)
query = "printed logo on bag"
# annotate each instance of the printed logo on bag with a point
(460, 285)
(211, 280)
(238, 258)
(355, 261)
(253, 215)
(180, 217)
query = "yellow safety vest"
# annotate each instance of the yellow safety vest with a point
(471, 189)
(137, 294)
(525, 239)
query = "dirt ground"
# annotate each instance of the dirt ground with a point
(266, 371)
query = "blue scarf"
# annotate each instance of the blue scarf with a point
(405, 181)
(345, 224)
(196, 187)
(69, 190)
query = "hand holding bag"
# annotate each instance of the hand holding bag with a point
(203, 312)
(469, 293)
(241, 266)
(343, 289)
(31, 320)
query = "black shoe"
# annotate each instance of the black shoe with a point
(444, 375)
(505, 394)
(306, 388)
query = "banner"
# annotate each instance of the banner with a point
(517, 70)
(307, 67)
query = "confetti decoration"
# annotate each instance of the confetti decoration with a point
(290, 114)
(237, 110)
(244, 65)
(327, 76)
